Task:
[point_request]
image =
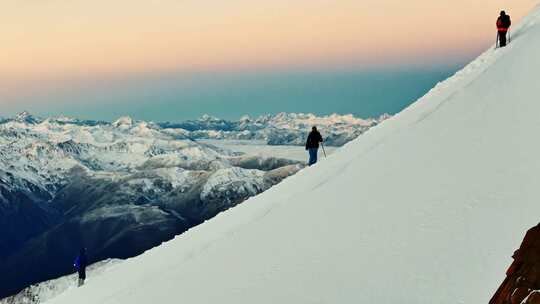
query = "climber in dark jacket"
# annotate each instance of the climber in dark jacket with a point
(312, 145)
(503, 24)
(80, 264)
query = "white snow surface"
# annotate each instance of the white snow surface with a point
(425, 208)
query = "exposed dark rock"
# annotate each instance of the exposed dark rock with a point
(523, 275)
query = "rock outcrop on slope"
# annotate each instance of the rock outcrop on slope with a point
(522, 280)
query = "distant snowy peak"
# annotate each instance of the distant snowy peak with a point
(207, 117)
(26, 117)
(300, 119)
(245, 119)
(124, 121)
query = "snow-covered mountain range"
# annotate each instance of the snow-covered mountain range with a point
(118, 188)
(280, 129)
(427, 207)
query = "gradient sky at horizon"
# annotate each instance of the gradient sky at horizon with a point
(53, 44)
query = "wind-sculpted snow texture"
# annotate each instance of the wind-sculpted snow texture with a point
(426, 207)
(116, 188)
(280, 129)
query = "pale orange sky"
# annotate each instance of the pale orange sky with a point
(43, 39)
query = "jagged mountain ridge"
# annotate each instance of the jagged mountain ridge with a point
(279, 129)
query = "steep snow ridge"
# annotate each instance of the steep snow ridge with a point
(424, 208)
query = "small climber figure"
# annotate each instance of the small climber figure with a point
(503, 24)
(312, 145)
(80, 264)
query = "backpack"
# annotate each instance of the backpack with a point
(506, 21)
(503, 22)
(80, 262)
(77, 262)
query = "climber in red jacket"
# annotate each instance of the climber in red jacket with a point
(503, 24)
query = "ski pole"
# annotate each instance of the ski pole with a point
(322, 145)
(497, 41)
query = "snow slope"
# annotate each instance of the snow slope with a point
(424, 208)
